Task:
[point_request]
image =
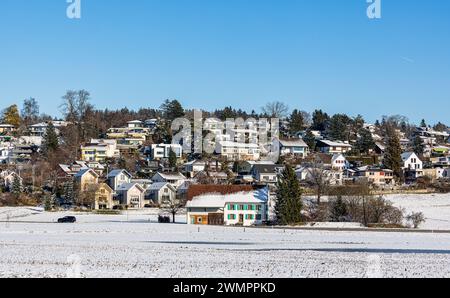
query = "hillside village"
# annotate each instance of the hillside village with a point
(110, 161)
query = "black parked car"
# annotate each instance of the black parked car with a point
(67, 219)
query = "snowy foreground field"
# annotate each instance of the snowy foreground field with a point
(134, 245)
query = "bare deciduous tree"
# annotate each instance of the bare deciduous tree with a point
(276, 109)
(173, 206)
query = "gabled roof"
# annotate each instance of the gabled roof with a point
(407, 155)
(218, 200)
(118, 172)
(334, 143)
(171, 176)
(82, 172)
(128, 186)
(159, 185)
(293, 143)
(265, 169)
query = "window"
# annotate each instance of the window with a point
(258, 217)
(258, 207)
(241, 207)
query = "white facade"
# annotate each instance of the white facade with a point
(243, 208)
(161, 193)
(332, 147)
(175, 179)
(411, 161)
(160, 151)
(116, 178)
(132, 195)
(292, 147)
(238, 151)
(339, 162)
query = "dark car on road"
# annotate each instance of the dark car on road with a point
(67, 219)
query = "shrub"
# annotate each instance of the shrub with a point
(416, 219)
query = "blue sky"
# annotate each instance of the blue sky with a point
(211, 53)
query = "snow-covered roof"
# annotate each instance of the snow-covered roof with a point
(128, 186)
(335, 143)
(293, 143)
(171, 176)
(115, 173)
(82, 172)
(159, 185)
(216, 200)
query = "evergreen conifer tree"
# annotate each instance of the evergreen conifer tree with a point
(289, 202)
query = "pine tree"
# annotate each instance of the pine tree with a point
(365, 141)
(423, 123)
(338, 212)
(392, 158)
(418, 146)
(338, 128)
(69, 192)
(172, 109)
(296, 122)
(310, 140)
(320, 120)
(16, 185)
(172, 159)
(289, 203)
(51, 141)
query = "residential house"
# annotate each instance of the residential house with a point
(5, 151)
(103, 196)
(193, 167)
(85, 178)
(70, 170)
(212, 177)
(375, 176)
(434, 174)
(118, 177)
(39, 129)
(99, 150)
(440, 161)
(265, 174)
(306, 174)
(332, 147)
(227, 205)
(292, 147)
(175, 179)
(339, 162)
(161, 151)
(247, 166)
(380, 148)
(131, 195)
(234, 151)
(129, 138)
(7, 129)
(8, 177)
(160, 193)
(412, 165)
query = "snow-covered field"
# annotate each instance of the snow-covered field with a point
(436, 208)
(134, 245)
